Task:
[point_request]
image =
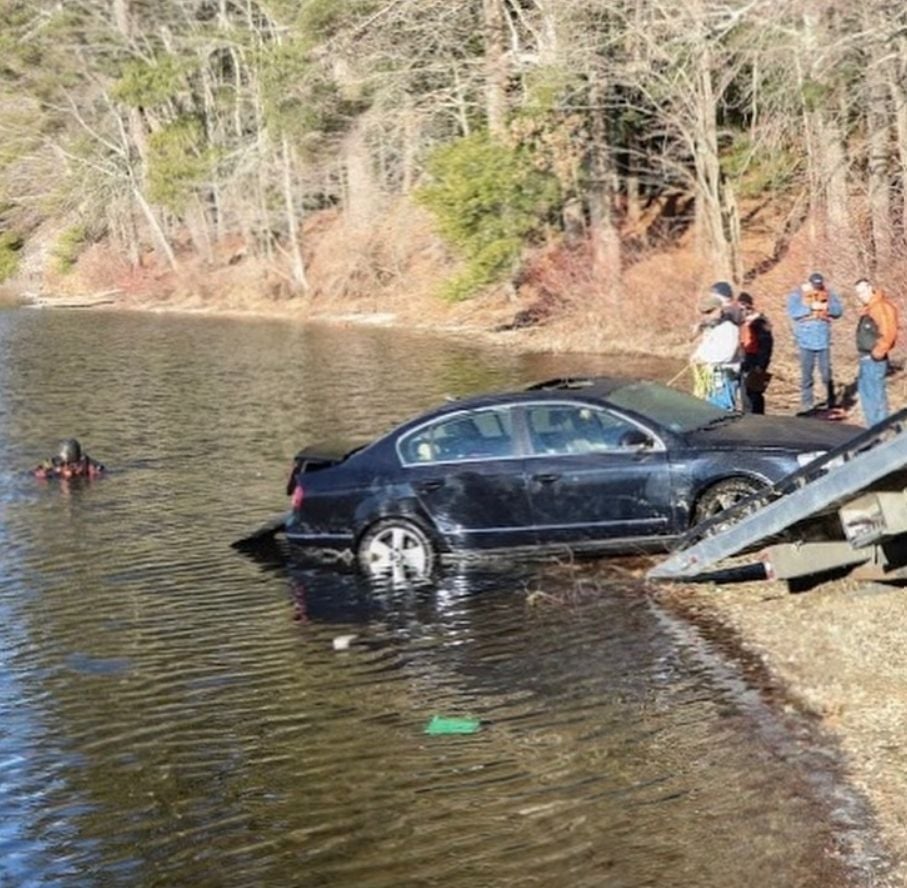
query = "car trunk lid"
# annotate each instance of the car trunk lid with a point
(315, 457)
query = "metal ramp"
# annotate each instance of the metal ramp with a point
(818, 488)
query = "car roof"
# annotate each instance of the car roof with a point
(596, 386)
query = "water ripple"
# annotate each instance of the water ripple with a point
(172, 713)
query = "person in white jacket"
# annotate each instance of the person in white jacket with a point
(716, 358)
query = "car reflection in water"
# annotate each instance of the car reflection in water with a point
(336, 591)
(589, 465)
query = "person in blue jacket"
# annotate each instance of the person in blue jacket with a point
(812, 308)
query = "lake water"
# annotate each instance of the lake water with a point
(175, 713)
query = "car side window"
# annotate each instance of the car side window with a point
(477, 434)
(570, 429)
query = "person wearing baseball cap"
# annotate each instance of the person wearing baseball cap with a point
(812, 308)
(729, 307)
(716, 358)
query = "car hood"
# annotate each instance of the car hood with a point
(795, 433)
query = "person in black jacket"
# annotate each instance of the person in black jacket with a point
(71, 462)
(757, 343)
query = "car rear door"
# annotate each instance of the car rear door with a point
(469, 475)
(595, 475)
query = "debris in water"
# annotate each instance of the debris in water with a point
(440, 724)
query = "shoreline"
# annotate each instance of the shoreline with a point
(485, 321)
(830, 659)
(794, 734)
(831, 656)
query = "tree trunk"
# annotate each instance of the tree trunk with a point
(833, 171)
(155, 226)
(122, 17)
(879, 147)
(496, 73)
(828, 181)
(549, 38)
(814, 185)
(410, 151)
(899, 100)
(606, 247)
(361, 190)
(197, 223)
(297, 266)
(633, 187)
(710, 205)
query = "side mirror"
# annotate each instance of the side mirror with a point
(635, 439)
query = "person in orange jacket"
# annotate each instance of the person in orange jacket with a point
(757, 343)
(877, 331)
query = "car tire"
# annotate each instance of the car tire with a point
(721, 496)
(397, 549)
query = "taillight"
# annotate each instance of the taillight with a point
(294, 471)
(296, 500)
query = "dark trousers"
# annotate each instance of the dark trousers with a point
(751, 401)
(809, 359)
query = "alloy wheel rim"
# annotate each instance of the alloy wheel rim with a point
(399, 553)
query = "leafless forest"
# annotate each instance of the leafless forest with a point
(173, 125)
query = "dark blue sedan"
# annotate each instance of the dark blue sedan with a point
(591, 465)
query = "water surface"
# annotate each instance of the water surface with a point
(173, 713)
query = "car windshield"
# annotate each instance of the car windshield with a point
(672, 409)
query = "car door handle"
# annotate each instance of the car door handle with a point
(429, 486)
(546, 478)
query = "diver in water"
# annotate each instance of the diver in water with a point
(70, 462)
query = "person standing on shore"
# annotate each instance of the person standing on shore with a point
(812, 308)
(757, 343)
(716, 359)
(877, 331)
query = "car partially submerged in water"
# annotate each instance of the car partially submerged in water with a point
(593, 465)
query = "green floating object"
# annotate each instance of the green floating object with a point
(441, 725)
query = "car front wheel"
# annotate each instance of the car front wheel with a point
(722, 496)
(397, 549)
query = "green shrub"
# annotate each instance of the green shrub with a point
(145, 84)
(66, 251)
(10, 245)
(489, 200)
(756, 170)
(178, 161)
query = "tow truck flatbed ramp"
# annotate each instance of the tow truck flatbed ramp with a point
(820, 487)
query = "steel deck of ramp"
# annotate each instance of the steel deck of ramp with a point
(822, 485)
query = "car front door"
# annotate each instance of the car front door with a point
(468, 474)
(593, 475)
